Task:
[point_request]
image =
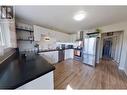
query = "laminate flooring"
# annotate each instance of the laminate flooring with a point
(71, 74)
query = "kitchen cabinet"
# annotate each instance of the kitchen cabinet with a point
(61, 55)
(69, 53)
(38, 32)
(58, 56)
(50, 56)
(59, 36)
(72, 38)
(44, 82)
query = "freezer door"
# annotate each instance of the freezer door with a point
(89, 51)
(86, 43)
(90, 46)
(89, 59)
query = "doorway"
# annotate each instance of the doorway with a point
(107, 48)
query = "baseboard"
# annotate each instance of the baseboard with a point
(121, 68)
(125, 72)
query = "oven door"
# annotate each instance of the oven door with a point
(77, 53)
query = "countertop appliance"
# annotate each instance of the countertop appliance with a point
(70, 46)
(63, 46)
(90, 50)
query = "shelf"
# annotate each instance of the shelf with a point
(92, 33)
(24, 30)
(24, 40)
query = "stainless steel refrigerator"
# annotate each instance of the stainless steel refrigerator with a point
(90, 50)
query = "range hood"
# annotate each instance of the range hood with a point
(79, 36)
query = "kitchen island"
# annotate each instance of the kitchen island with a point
(32, 72)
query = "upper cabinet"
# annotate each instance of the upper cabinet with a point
(76, 37)
(72, 38)
(37, 33)
(40, 32)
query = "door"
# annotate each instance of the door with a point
(107, 48)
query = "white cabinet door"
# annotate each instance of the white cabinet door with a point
(58, 36)
(72, 53)
(72, 38)
(39, 31)
(69, 53)
(66, 54)
(44, 82)
(55, 56)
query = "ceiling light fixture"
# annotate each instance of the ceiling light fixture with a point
(79, 16)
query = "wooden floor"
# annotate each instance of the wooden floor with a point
(71, 74)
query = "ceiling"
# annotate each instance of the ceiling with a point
(61, 17)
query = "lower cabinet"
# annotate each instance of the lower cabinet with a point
(58, 56)
(44, 82)
(69, 53)
(51, 56)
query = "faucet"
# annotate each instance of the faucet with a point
(37, 47)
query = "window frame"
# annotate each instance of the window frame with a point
(2, 43)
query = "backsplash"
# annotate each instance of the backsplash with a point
(47, 44)
(49, 40)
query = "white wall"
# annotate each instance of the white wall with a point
(118, 41)
(125, 68)
(116, 45)
(113, 47)
(50, 44)
(118, 27)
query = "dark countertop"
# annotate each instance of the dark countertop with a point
(53, 50)
(18, 71)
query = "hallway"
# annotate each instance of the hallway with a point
(75, 75)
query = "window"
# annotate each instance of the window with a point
(1, 41)
(1, 37)
(4, 34)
